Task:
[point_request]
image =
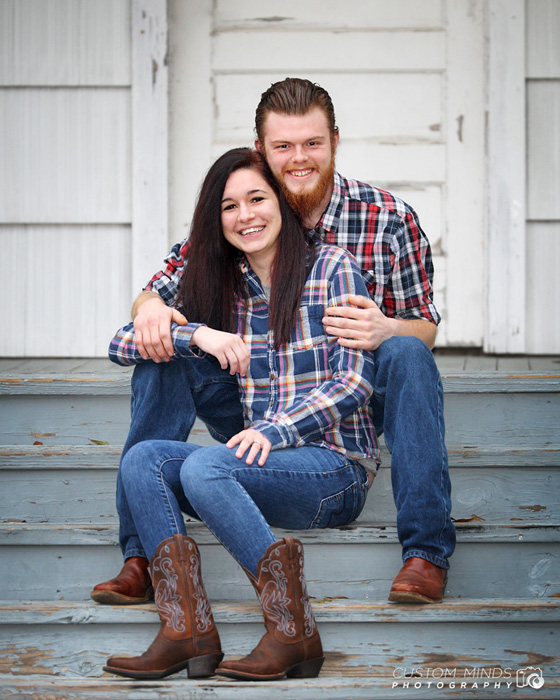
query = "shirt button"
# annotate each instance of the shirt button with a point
(273, 376)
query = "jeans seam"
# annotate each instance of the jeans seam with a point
(161, 480)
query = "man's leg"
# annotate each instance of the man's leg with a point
(166, 398)
(409, 393)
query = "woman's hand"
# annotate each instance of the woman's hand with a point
(228, 348)
(253, 441)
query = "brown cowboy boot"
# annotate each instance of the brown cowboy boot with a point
(132, 586)
(187, 637)
(419, 581)
(291, 645)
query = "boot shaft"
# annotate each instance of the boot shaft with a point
(179, 592)
(282, 591)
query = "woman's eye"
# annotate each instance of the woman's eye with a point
(257, 199)
(228, 207)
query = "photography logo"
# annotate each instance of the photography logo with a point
(529, 677)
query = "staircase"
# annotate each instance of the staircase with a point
(495, 635)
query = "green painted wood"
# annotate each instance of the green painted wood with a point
(46, 563)
(514, 420)
(484, 381)
(371, 687)
(377, 646)
(54, 494)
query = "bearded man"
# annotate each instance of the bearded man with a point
(297, 134)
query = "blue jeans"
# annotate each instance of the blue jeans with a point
(407, 405)
(296, 489)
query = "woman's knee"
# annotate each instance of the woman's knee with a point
(138, 460)
(203, 466)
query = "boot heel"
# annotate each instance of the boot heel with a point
(203, 666)
(306, 669)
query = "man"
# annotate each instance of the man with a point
(297, 134)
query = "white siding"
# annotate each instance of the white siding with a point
(543, 176)
(65, 175)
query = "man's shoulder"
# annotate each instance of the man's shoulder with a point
(361, 193)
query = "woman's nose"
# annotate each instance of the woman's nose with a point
(245, 213)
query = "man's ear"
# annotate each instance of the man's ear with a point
(258, 145)
(336, 138)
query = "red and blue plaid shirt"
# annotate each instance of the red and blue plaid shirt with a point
(381, 231)
(309, 391)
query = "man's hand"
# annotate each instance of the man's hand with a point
(228, 348)
(152, 327)
(253, 441)
(363, 325)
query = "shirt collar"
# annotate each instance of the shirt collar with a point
(328, 223)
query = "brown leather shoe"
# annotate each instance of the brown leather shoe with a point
(418, 581)
(132, 586)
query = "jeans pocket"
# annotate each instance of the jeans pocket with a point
(339, 509)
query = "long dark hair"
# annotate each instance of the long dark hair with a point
(212, 279)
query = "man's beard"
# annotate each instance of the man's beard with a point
(305, 203)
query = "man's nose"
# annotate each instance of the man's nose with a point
(299, 156)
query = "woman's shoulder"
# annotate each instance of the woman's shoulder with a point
(333, 255)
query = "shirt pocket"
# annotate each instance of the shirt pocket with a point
(309, 330)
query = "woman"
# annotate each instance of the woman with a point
(254, 290)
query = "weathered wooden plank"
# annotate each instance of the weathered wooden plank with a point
(543, 47)
(64, 42)
(85, 315)
(473, 531)
(49, 494)
(478, 610)
(543, 163)
(75, 457)
(329, 686)
(328, 51)
(150, 137)
(543, 324)
(506, 135)
(371, 14)
(89, 132)
(118, 382)
(386, 646)
(464, 132)
(241, 92)
(39, 563)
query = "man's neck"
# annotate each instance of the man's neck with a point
(312, 219)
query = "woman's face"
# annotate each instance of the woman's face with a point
(251, 219)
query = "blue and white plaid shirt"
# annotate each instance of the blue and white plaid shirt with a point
(309, 391)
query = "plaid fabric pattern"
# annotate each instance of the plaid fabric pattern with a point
(310, 391)
(381, 231)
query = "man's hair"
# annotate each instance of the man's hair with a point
(294, 96)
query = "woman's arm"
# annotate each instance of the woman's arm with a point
(123, 349)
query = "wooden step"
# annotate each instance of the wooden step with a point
(361, 639)
(481, 409)
(49, 562)
(71, 483)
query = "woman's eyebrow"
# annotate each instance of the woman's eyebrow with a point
(226, 199)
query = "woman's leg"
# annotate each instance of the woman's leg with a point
(188, 637)
(150, 473)
(297, 489)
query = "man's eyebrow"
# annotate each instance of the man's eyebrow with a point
(308, 138)
(227, 199)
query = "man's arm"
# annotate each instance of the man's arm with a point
(152, 326)
(363, 325)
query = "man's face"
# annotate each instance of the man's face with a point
(300, 152)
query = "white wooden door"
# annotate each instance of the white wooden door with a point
(74, 223)
(407, 81)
